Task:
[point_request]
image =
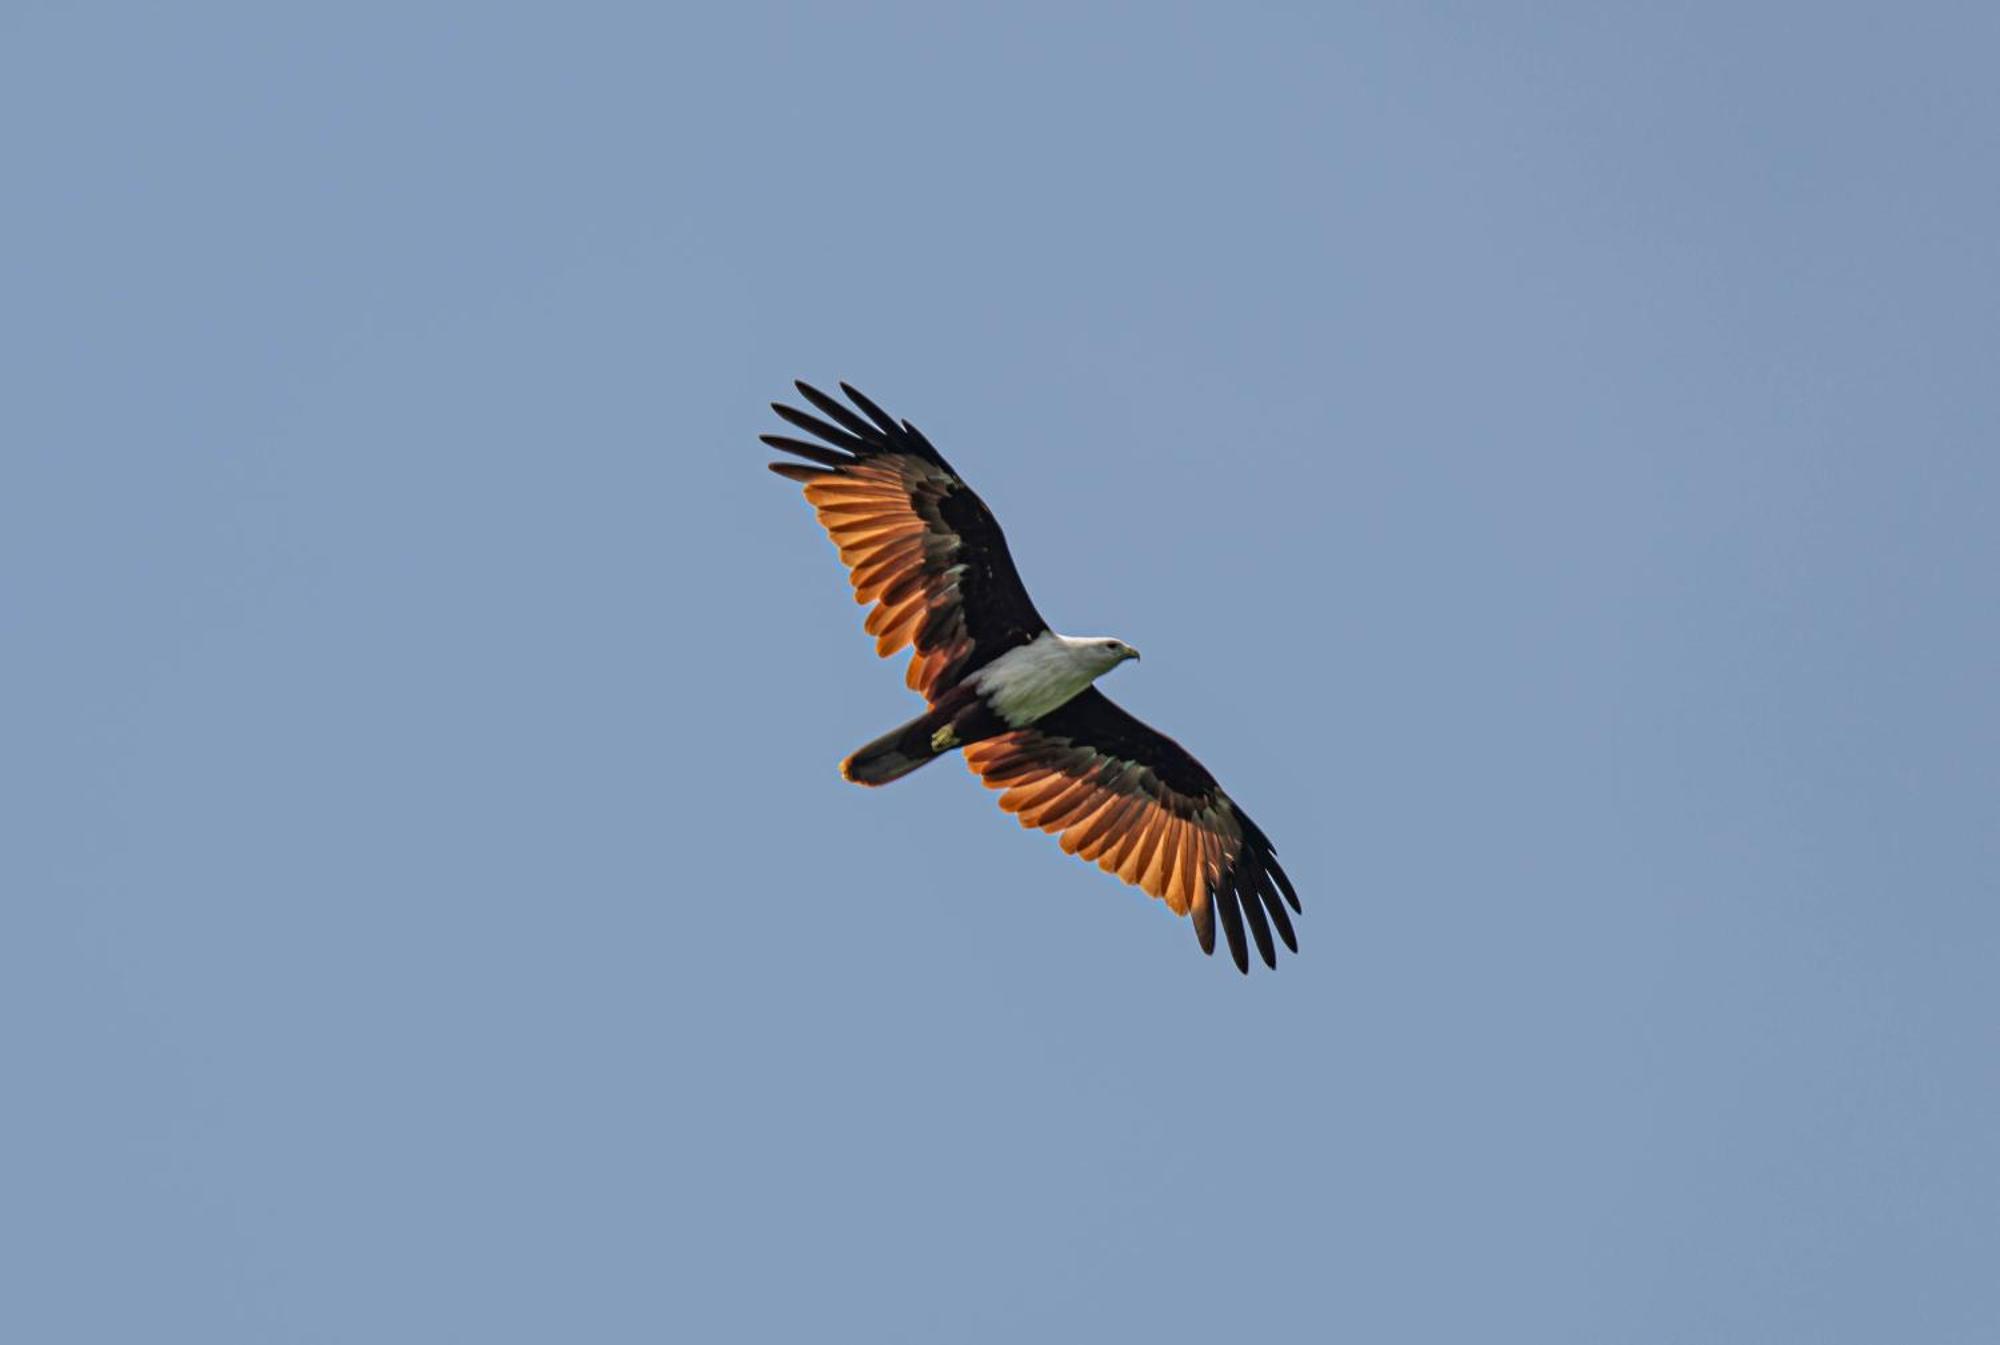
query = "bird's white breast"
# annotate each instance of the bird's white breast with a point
(1030, 680)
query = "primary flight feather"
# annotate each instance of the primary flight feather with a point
(1014, 696)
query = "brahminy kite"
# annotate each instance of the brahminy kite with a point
(1013, 695)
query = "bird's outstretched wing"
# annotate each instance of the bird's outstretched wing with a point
(1131, 798)
(917, 542)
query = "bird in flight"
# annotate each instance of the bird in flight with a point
(1014, 696)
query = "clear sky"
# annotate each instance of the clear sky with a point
(1548, 458)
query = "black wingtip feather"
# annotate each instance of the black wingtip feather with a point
(1253, 916)
(825, 457)
(1232, 925)
(814, 425)
(872, 411)
(832, 407)
(1284, 883)
(792, 471)
(1280, 921)
(1268, 856)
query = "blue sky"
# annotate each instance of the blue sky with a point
(1547, 456)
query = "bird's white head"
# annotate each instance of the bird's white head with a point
(1101, 653)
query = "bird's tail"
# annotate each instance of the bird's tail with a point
(901, 750)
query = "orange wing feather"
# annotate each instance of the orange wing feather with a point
(921, 549)
(1123, 818)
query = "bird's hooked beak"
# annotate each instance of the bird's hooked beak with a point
(1131, 653)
